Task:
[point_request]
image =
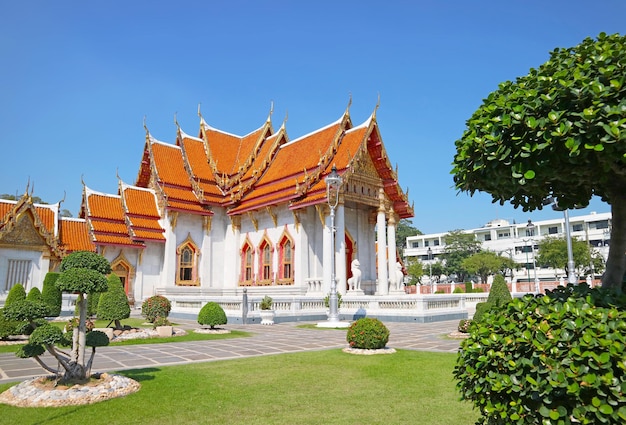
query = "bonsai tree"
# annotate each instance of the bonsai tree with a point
(212, 314)
(51, 295)
(81, 272)
(559, 132)
(113, 304)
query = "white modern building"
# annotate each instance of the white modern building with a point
(519, 241)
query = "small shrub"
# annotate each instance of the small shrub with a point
(557, 358)
(156, 306)
(161, 321)
(51, 295)
(481, 308)
(457, 290)
(499, 294)
(113, 304)
(34, 295)
(327, 300)
(212, 314)
(266, 303)
(440, 291)
(368, 333)
(16, 293)
(464, 325)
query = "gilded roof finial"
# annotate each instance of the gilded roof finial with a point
(176, 120)
(376, 108)
(349, 103)
(199, 113)
(145, 126)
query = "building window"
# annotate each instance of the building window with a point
(187, 260)
(578, 227)
(426, 243)
(265, 266)
(553, 230)
(247, 260)
(415, 244)
(18, 271)
(603, 224)
(436, 242)
(488, 237)
(285, 252)
(504, 235)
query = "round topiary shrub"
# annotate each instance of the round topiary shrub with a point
(34, 295)
(156, 306)
(368, 333)
(212, 314)
(556, 359)
(16, 293)
(464, 325)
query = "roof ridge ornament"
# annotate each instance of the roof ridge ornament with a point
(376, 107)
(349, 104)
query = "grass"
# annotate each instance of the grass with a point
(320, 387)
(141, 323)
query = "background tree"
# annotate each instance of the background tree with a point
(484, 264)
(415, 271)
(552, 253)
(113, 304)
(458, 247)
(558, 131)
(404, 229)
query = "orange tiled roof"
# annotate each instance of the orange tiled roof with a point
(142, 214)
(74, 234)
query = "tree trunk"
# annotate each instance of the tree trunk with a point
(75, 371)
(616, 263)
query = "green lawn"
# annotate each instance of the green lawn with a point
(320, 387)
(141, 323)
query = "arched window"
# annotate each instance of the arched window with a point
(246, 277)
(285, 259)
(187, 263)
(266, 274)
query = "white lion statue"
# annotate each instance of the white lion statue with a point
(399, 276)
(355, 281)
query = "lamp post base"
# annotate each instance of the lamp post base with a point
(333, 324)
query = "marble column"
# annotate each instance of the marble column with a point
(340, 249)
(383, 277)
(391, 251)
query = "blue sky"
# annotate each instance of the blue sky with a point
(77, 79)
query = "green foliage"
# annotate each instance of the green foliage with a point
(26, 310)
(464, 325)
(499, 293)
(457, 290)
(16, 293)
(93, 300)
(404, 229)
(481, 309)
(212, 314)
(46, 335)
(458, 247)
(51, 295)
(7, 326)
(156, 306)
(367, 333)
(558, 358)
(415, 271)
(73, 322)
(82, 280)
(34, 295)
(30, 350)
(484, 264)
(113, 304)
(564, 122)
(97, 339)
(86, 260)
(161, 321)
(326, 301)
(552, 253)
(266, 303)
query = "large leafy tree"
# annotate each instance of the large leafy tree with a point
(559, 131)
(484, 264)
(458, 247)
(552, 252)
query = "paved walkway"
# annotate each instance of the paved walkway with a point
(265, 340)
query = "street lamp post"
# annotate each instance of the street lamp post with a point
(571, 277)
(430, 269)
(531, 232)
(333, 184)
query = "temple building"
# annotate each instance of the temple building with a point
(214, 213)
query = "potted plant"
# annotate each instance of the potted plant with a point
(267, 314)
(163, 327)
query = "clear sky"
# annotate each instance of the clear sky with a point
(77, 79)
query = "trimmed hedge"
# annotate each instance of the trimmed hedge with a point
(554, 359)
(367, 333)
(113, 304)
(16, 293)
(212, 314)
(51, 295)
